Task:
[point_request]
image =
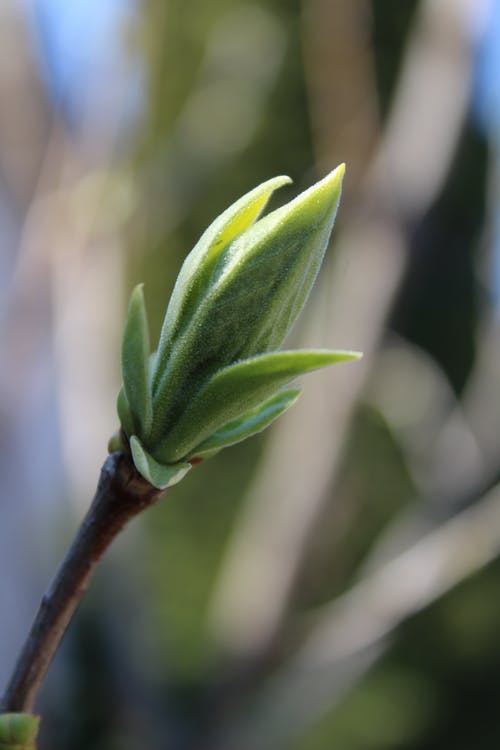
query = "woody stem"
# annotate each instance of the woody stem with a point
(121, 494)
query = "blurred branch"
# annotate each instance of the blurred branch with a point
(219, 117)
(451, 445)
(270, 545)
(422, 132)
(350, 634)
(340, 81)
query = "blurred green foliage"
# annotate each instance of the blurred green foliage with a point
(437, 685)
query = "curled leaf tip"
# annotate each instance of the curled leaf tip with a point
(348, 355)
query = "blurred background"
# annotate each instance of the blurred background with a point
(333, 583)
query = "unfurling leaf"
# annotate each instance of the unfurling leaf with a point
(215, 378)
(237, 388)
(248, 424)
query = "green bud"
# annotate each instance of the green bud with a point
(18, 731)
(215, 378)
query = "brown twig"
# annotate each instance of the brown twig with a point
(121, 494)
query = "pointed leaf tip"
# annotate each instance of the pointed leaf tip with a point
(323, 195)
(347, 355)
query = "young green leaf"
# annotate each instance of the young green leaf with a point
(159, 475)
(314, 209)
(236, 389)
(135, 363)
(194, 278)
(248, 424)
